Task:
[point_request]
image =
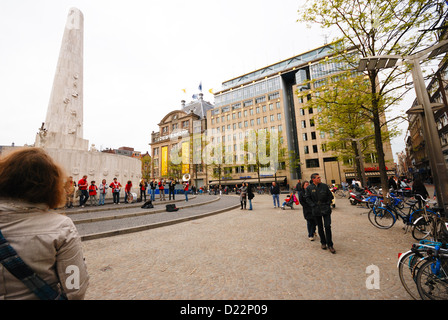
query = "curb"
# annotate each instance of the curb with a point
(136, 214)
(153, 225)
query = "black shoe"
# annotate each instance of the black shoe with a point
(332, 250)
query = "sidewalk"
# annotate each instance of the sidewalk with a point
(241, 254)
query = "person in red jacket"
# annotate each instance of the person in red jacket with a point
(83, 186)
(116, 186)
(93, 190)
(127, 190)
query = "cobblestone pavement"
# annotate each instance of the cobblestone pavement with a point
(241, 254)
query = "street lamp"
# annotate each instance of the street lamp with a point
(424, 109)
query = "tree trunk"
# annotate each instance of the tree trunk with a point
(378, 137)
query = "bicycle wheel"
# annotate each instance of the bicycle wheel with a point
(371, 215)
(340, 193)
(384, 219)
(432, 279)
(407, 269)
(422, 229)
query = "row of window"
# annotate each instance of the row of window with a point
(184, 125)
(314, 163)
(244, 113)
(247, 123)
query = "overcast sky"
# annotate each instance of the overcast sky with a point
(138, 56)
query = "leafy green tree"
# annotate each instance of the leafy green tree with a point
(373, 28)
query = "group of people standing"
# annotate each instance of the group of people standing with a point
(246, 193)
(97, 193)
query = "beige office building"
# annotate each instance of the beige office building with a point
(273, 98)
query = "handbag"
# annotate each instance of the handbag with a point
(19, 269)
(171, 207)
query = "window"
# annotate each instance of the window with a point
(312, 163)
(303, 124)
(306, 150)
(265, 119)
(313, 135)
(272, 117)
(260, 99)
(305, 137)
(279, 116)
(257, 110)
(264, 108)
(315, 148)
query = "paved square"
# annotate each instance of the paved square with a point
(241, 254)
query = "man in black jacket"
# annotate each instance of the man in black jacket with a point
(275, 191)
(319, 197)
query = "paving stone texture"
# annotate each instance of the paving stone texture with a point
(240, 254)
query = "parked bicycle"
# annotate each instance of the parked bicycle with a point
(384, 216)
(410, 264)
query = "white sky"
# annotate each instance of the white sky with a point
(138, 56)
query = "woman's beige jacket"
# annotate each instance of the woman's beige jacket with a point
(49, 243)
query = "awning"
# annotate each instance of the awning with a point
(369, 174)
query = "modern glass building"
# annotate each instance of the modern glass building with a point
(273, 98)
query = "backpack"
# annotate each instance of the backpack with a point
(147, 205)
(171, 207)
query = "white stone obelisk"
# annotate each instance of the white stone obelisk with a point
(63, 127)
(61, 135)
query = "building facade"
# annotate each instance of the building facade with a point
(415, 141)
(274, 99)
(172, 145)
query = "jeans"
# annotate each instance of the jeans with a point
(102, 198)
(250, 204)
(324, 229)
(171, 192)
(143, 195)
(116, 197)
(93, 200)
(186, 195)
(311, 227)
(153, 194)
(276, 198)
(83, 197)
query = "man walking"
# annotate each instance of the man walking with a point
(318, 196)
(275, 191)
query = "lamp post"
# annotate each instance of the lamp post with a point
(424, 109)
